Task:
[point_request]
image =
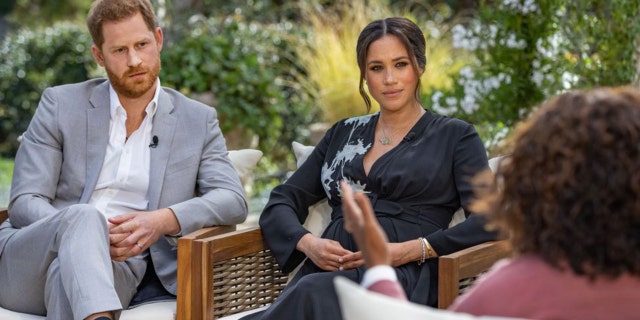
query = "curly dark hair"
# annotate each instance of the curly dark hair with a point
(570, 190)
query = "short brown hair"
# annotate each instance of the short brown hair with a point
(117, 10)
(570, 190)
(406, 31)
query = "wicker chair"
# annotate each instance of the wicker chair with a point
(239, 273)
(222, 272)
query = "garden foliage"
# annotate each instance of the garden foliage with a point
(270, 78)
(253, 73)
(30, 61)
(527, 50)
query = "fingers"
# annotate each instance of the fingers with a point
(126, 240)
(326, 254)
(119, 219)
(364, 205)
(127, 226)
(333, 255)
(116, 238)
(350, 210)
(352, 261)
(123, 253)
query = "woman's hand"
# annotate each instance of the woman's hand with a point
(327, 254)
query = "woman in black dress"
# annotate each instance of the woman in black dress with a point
(414, 165)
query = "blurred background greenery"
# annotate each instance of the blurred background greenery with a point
(274, 68)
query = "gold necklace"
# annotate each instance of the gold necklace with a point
(386, 138)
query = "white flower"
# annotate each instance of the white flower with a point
(467, 73)
(569, 80)
(525, 7)
(537, 77)
(435, 104)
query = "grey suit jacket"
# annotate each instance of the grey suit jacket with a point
(62, 151)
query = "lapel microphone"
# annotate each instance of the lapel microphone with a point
(410, 136)
(154, 142)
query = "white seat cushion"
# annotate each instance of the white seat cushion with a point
(165, 310)
(237, 316)
(10, 315)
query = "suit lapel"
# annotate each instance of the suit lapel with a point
(164, 125)
(97, 137)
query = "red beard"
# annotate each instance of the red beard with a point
(134, 87)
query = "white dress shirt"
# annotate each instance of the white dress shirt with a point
(124, 178)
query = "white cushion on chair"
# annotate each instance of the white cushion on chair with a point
(10, 315)
(319, 213)
(162, 310)
(357, 303)
(244, 161)
(238, 316)
(165, 310)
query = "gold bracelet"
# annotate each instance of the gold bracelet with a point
(424, 250)
(429, 249)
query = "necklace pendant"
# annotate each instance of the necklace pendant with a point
(385, 141)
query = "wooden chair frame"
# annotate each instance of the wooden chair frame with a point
(459, 269)
(256, 282)
(223, 272)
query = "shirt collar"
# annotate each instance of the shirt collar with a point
(114, 102)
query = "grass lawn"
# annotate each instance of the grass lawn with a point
(6, 168)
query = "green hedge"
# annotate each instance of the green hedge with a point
(252, 71)
(527, 51)
(30, 61)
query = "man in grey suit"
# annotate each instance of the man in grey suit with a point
(108, 174)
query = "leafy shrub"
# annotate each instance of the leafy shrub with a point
(525, 51)
(252, 71)
(30, 61)
(6, 168)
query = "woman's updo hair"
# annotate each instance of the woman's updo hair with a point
(406, 31)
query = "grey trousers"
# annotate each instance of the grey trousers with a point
(60, 267)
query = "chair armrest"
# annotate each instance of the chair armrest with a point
(466, 264)
(4, 214)
(238, 273)
(191, 254)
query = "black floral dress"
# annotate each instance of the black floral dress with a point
(415, 188)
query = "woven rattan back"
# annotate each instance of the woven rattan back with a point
(246, 283)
